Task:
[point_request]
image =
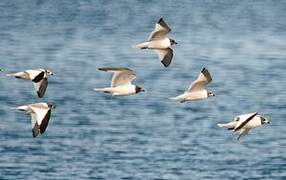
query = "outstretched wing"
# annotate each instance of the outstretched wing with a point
(203, 79)
(40, 118)
(121, 76)
(160, 31)
(242, 132)
(244, 119)
(41, 87)
(165, 56)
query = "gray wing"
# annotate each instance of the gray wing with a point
(121, 76)
(41, 87)
(165, 56)
(160, 31)
(244, 121)
(203, 79)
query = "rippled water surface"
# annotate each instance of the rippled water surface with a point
(147, 136)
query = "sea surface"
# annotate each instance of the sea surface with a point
(92, 135)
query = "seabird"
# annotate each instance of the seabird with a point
(197, 90)
(160, 43)
(40, 114)
(38, 76)
(244, 123)
(121, 83)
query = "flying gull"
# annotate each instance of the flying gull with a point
(39, 78)
(160, 43)
(121, 83)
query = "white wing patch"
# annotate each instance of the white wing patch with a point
(40, 114)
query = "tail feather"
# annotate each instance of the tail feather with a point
(105, 90)
(143, 45)
(99, 89)
(10, 74)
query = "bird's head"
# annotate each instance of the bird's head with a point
(172, 41)
(210, 94)
(139, 89)
(49, 72)
(51, 105)
(264, 120)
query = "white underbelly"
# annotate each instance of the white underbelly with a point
(123, 90)
(199, 95)
(159, 44)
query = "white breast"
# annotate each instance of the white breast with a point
(197, 95)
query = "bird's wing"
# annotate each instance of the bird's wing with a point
(121, 76)
(35, 125)
(244, 119)
(165, 56)
(36, 75)
(41, 117)
(242, 132)
(202, 80)
(41, 87)
(160, 31)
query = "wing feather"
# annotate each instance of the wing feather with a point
(202, 80)
(121, 76)
(160, 31)
(165, 56)
(41, 87)
(244, 120)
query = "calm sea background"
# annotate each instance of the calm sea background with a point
(147, 136)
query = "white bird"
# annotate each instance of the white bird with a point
(197, 90)
(38, 76)
(160, 43)
(121, 83)
(244, 123)
(40, 114)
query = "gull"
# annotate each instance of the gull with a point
(160, 43)
(39, 78)
(197, 90)
(244, 123)
(121, 83)
(40, 114)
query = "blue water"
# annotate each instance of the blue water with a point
(147, 136)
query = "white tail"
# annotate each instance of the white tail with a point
(143, 45)
(10, 74)
(221, 125)
(102, 89)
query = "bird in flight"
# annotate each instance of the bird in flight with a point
(161, 44)
(197, 90)
(121, 82)
(38, 76)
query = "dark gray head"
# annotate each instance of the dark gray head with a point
(210, 94)
(51, 105)
(48, 72)
(172, 41)
(264, 120)
(139, 89)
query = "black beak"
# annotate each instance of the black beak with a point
(143, 90)
(175, 42)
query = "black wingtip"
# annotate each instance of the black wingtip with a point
(40, 95)
(165, 63)
(204, 69)
(160, 20)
